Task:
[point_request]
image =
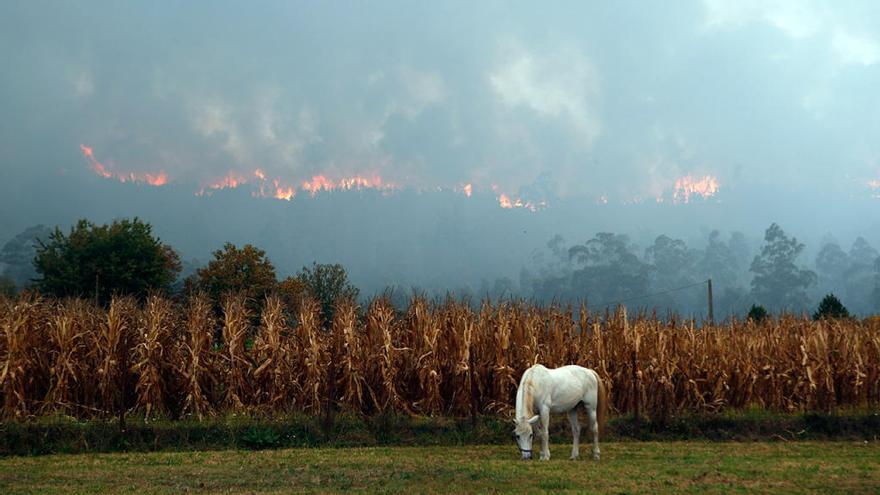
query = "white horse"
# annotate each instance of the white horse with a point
(542, 391)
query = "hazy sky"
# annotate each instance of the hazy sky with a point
(573, 103)
(587, 98)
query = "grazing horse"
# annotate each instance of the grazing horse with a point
(542, 391)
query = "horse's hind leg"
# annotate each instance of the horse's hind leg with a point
(594, 428)
(575, 432)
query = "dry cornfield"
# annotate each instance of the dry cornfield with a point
(161, 359)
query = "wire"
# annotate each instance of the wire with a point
(667, 291)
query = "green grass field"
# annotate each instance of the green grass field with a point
(626, 467)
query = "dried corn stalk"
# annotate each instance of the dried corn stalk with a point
(198, 372)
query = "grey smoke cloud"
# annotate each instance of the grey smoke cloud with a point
(606, 100)
(571, 103)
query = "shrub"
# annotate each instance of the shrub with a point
(261, 437)
(758, 313)
(830, 308)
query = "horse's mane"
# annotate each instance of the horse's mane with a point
(528, 399)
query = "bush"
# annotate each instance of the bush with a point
(830, 308)
(758, 313)
(261, 437)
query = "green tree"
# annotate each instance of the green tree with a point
(830, 307)
(100, 261)
(609, 269)
(719, 262)
(327, 284)
(832, 263)
(758, 313)
(18, 254)
(292, 291)
(554, 269)
(778, 282)
(246, 270)
(722, 262)
(859, 275)
(673, 265)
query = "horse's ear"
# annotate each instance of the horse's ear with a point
(534, 419)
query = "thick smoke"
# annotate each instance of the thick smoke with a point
(596, 110)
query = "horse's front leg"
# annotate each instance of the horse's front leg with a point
(545, 433)
(575, 432)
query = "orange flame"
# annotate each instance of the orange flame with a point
(97, 167)
(230, 181)
(688, 186)
(507, 202)
(318, 183)
(278, 189)
(157, 179)
(322, 183)
(281, 192)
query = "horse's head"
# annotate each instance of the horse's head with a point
(524, 434)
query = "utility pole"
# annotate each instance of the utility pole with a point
(711, 305)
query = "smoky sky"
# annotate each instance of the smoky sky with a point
(598, 98)
(570, 102)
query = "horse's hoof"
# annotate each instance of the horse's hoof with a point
(595, 457)
(573, 458)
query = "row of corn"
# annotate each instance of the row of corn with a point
(159, 358)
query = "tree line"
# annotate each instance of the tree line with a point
(125, 257)
(607, 269)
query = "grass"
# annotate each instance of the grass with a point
(64, 435)
(626, 467)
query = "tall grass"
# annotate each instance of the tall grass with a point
(161, 359)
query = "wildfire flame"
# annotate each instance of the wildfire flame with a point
(320, 183)
(277, 188)
(158, 179)
(264, 186)
(688, 186)
(231, 181)
(507, 202)
(281, 192)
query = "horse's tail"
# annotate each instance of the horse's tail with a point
(601, 404)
